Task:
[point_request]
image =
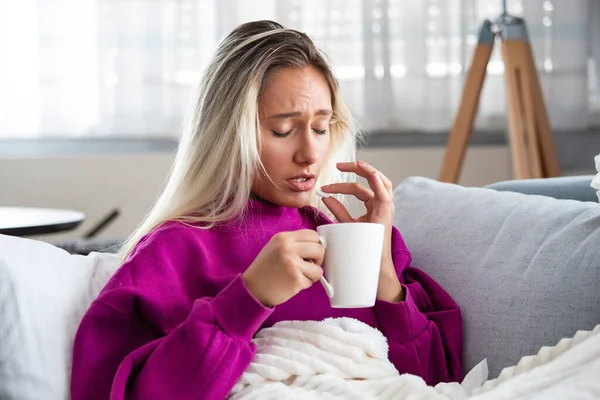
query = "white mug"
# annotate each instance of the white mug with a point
(352, 261)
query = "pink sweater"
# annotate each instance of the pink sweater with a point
(176, 320)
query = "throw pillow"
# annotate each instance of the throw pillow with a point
(44, 292)
(525, 269)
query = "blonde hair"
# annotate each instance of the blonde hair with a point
(218, 154)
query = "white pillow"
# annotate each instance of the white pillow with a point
(44, 292)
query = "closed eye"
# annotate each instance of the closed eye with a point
(284, 134)
(279, 134)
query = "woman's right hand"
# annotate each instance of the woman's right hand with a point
(289, 263)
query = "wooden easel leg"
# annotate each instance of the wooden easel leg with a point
(526, 76)
(548, 154)
(510, 53)
(463, 123)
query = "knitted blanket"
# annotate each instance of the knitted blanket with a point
(346, 359)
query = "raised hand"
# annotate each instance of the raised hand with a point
(378, 202)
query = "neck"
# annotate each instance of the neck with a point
(254, 196)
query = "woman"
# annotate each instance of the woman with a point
(230, 247)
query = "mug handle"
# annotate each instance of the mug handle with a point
(328, 288)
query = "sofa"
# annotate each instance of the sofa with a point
(524, 268)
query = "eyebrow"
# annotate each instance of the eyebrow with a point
(298, 113)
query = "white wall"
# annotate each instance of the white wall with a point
(96, 184)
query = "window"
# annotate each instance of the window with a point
(128, 68)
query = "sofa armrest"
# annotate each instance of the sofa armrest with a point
(85, 246)
(566, 187)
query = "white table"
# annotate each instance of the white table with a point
(27, 221)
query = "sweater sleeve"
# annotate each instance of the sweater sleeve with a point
(148, 335)
(424, 331)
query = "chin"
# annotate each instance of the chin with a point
(294, 200)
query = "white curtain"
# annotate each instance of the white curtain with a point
(82, 68)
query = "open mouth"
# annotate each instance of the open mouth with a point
(302, 183)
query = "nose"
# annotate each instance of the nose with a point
(307, 148)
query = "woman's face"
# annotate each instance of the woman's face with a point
(294, 112)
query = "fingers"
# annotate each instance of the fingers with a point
(337, 209)
(312, 252)
(361, 192)
(312, 255)
(311, 271)
(380, 184)
(304, 235)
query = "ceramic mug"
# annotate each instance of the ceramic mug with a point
(352, 261)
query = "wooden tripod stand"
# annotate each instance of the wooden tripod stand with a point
(531, 143)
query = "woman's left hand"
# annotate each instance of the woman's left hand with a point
(377, 199)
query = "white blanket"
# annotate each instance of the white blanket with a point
(346, 359)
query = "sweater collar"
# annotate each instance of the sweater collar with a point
(271, 214)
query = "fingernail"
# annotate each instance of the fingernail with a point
(322, 194)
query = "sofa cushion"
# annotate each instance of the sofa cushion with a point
(44, 292)
(525, 269)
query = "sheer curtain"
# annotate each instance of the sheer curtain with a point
(82, 68)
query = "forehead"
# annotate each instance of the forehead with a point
(296, 88)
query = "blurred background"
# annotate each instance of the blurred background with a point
(93, 92)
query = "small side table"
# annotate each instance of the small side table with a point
(29, 221)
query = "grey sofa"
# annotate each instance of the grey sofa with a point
(525, 270)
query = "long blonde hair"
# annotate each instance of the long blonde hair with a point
(218, 154)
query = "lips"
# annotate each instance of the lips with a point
(302, 183)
